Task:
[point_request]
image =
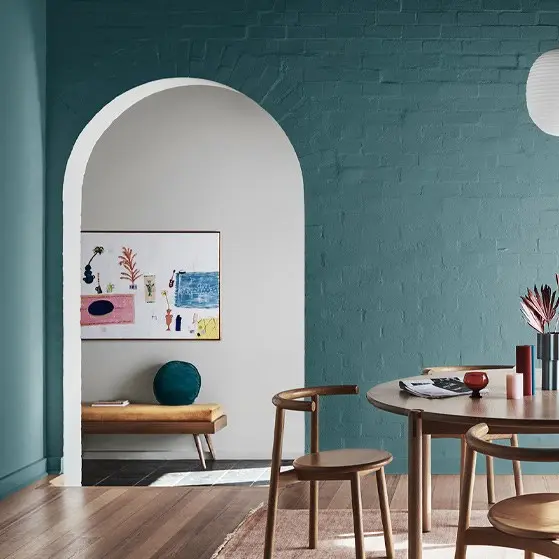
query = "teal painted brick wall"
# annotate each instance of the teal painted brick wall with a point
(431, 199)
(22, 106)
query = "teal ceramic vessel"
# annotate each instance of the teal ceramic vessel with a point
(177, 383)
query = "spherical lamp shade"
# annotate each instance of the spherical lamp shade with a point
(542, 92)
(177, 383)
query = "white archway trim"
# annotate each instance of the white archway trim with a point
(72, 203)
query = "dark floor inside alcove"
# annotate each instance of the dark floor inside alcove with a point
(175, 473)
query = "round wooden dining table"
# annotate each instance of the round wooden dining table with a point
(532, 414)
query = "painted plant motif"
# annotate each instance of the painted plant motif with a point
(168, 313)
(131, 272)
(149, 288)
(88, 276)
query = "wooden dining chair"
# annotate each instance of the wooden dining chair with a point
(347, 464)
(513, 438)
(526, 522)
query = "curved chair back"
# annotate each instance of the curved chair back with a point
(291, 400)
(478, 440)
(462, 368)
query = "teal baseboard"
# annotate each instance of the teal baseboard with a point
(23, 477)
(54, 465)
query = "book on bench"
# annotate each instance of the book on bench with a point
(110, 403)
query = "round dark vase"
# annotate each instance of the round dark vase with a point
(476, 381)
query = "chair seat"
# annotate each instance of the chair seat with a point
(533, 516)
(342, 461)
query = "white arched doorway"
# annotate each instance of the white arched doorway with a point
(250, 187)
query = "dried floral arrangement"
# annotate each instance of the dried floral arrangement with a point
(540, 307)
(128, 262)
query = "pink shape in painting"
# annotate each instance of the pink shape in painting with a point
(107, 309)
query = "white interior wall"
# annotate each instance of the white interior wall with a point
(207, 158)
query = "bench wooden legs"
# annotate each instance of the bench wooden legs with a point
(210, 446)
(200, 448)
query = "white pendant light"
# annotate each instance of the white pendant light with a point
(542, 92)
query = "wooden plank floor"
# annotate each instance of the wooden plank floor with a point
(149, 522)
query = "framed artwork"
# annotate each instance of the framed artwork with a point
(150, 285)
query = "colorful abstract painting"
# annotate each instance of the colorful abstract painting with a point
(197, 290)
(208, 329)
(107, 309)
(151, 285)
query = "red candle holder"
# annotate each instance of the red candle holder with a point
(476, 381)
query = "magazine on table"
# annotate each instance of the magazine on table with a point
(436, 387)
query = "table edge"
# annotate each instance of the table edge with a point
(525, 425)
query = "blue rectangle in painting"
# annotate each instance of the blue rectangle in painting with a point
(197, 290)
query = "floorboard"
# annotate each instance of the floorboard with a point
(164, 522)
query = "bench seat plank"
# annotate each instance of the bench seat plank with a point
(154, 427)
(152, 412)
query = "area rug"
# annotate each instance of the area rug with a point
(336, 539)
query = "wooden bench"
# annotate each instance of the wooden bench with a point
(148, 419)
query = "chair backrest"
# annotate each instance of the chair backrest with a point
(477, 439)
(291, 400)
(462, 368)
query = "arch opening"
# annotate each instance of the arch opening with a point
(189, 154)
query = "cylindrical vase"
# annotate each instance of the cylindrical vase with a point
(548, 353)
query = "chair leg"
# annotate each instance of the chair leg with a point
(200, 450)
(490, 471)
(274, 486)
(518, 485)
(271, 519)
(210, 444)
(385, 514)
(313, 515)
(462, 460)
(465, 503)
(529, 555)
(357, 515)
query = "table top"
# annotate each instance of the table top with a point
(493, 407)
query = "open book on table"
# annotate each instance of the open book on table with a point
(436, 387)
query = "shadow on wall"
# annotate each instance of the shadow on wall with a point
(141, 385)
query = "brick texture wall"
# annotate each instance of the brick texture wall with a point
(431, 198)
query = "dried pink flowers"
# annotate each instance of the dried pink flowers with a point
(539, 307)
